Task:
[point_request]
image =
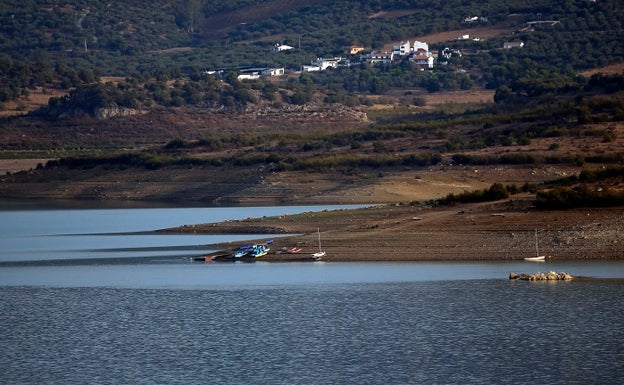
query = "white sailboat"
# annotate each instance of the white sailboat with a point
(537, 257)
(320, 254)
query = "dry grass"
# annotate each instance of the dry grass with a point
(391, 14)
(37, 98)
(459, 97)
(16, 165)
(613, 69)
(482, 33)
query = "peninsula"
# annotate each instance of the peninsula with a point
(495, 231)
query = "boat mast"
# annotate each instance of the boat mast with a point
(318, 230)
(536, 245)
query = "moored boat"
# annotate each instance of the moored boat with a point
(320, 254)
(537, 257)
(259, 251)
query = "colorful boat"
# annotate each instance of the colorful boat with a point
(259, 251)
(242, 251)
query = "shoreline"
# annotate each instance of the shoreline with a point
(492, 231)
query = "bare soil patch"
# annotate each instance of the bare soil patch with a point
(112, 79)
(391, 14)
(459, 97)
(36, 98)
(482, 33)
(613, 69)
(17, 165)
(498, 231)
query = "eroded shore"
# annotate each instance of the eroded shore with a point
(499, 231)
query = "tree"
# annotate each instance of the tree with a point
(188, 15)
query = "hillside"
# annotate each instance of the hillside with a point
(115, 98)
(328, 153)
(132, 37)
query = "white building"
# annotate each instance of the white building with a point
(402, 49)
(513, 44)
(324, 64)
(380, 57)
(305, 68)
(248, 76)
(422, 61)
(282, 47)
(419, 45)
(272, 72)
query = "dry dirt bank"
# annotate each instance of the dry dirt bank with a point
(258, 186)
(492, 231)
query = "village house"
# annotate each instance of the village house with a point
(474, 19)
(256, 73)
(327, 63)
(310, 68)
(273, 72)
(321, 64)
(422, 61)
(417, 54)
(248, 76)
(406, 48)
(419, 45)
(402, 49)
(281, 47)
(380, 57)
(356, 49)
(513, 44)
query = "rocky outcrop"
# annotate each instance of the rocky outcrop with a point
(113, 112)
(550, 276)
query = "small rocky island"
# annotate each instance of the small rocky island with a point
(550, 276)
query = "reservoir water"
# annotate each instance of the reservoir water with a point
(89, 297)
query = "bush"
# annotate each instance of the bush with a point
(495, 192)
(562, 197)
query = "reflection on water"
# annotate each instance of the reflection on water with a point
(75, 247)
(33, 235)
(113, 248)
(181, 273)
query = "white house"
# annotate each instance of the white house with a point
(272, 72)
(256, 72)
(248, 76)
(419, 45)
(382, 57)
(422, 61)
(305, 68)
(323, 63)
(281, 47)
(402, 49)
(513, 44)
(474, 19)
